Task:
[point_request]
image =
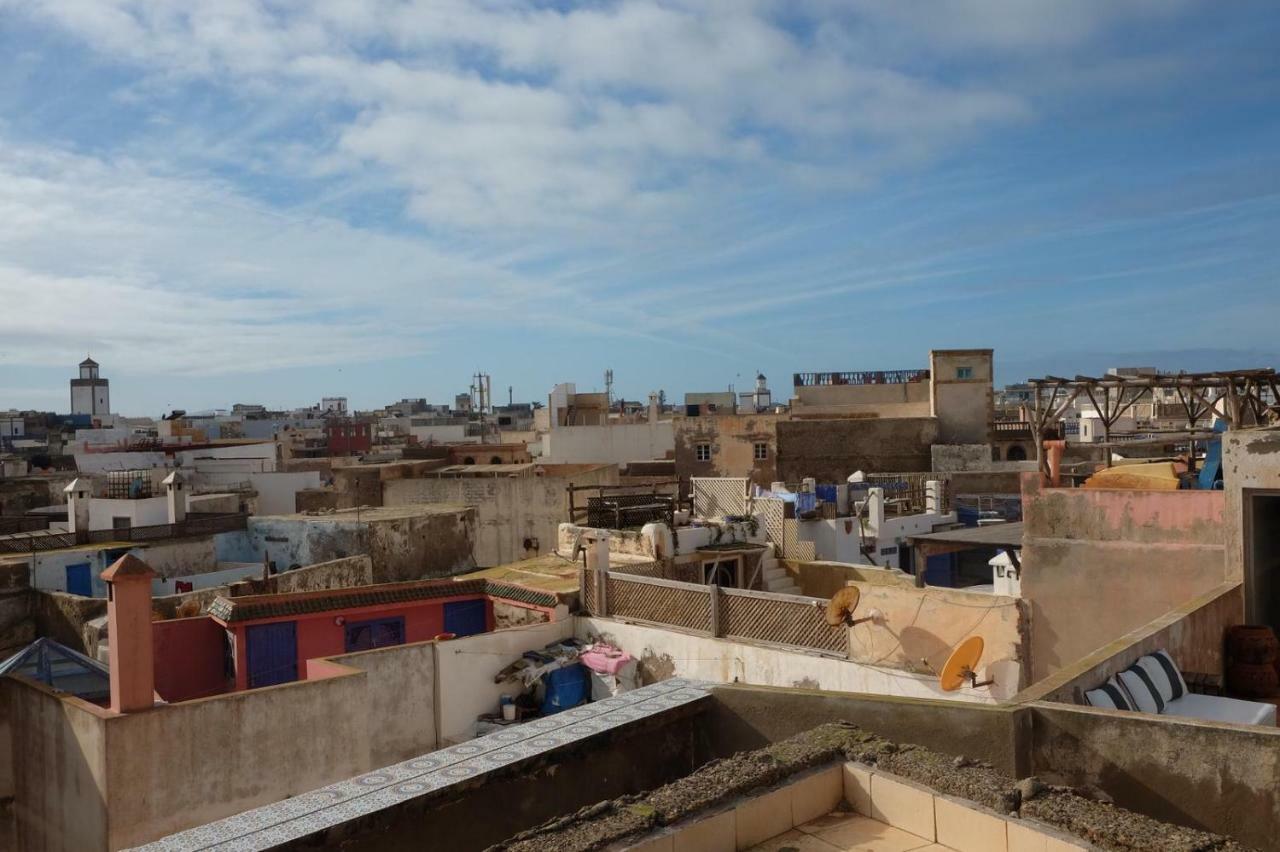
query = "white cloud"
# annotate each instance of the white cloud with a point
(494, 115)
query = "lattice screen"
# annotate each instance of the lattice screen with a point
(786, 622)
(770, 511)
(715, 497)
(689, 608)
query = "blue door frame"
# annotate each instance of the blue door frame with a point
(79, 579)
(272, 653)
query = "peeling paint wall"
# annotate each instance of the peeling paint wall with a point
(1097, 563)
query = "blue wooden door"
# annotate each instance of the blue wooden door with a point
(272, 652)
(464, 618)
(79, 580)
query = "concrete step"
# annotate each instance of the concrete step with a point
(771, 574)
(788, 589)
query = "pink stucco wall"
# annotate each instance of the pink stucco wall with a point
(1098, 563)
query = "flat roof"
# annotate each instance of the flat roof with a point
(1008, 534)
(482, 469)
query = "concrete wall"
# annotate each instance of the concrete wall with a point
(277, 492)
(732, 439)
(208, 759)
(662, 653)
(189, 658)
(964, 406)
(824, 579)
(58, 749)
(927, 624)
(509, 510)
(422, 546)
(400, 699)
(744, 718)
(1215, 777)
(1250, 464)
(1097, 564)
(830, 450)
(146, 512)
(910, 399)
(334, 574)
(616, 444)
(465, 670)
(403, 544)
(1191, 633)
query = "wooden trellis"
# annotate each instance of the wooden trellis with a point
(1239, 397)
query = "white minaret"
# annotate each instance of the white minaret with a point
(90, 393)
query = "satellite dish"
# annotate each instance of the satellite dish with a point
(841, 606)
(961, 666)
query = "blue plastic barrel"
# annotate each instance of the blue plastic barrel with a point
(567, 687)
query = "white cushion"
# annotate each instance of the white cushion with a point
(1216, 708)
(1145, 694)
(1114, 698)
(1164, 673)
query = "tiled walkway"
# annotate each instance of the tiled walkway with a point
(847, 832)
(268, 826)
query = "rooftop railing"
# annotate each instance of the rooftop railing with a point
(861, 377)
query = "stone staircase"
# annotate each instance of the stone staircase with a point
(776, 578)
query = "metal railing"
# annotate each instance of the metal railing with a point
(192, 525)
(861, 377)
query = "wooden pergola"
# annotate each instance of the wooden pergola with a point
(1236, 396)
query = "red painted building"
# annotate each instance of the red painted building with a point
(262, 640)
(348, 437)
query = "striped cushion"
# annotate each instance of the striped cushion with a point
(1110, 695)
(1164, 671)
(1142, 689)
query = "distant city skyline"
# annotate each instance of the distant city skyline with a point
(239, 203)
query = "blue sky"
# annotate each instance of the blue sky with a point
(273, 201)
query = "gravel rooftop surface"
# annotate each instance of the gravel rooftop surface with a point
(1079, 813)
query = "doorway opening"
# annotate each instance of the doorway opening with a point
(1262, 556)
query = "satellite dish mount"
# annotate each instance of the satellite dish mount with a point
(962, 666)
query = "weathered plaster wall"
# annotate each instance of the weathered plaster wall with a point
(732, 439)
(334, 574)
(964, 406)
(422, 546)
(1097, 564)
(1191, 634)
(952, 457)
(208, 759)
(824, 579)
(1219, 778)
(465, 670)
(830, 450)
(400, 699)
(509, 510)
(927, 624)
(745, 717)
(616, 444)
(58, 747)
(665, 652)
(910, 399)
(403, 544)
(1250, 463)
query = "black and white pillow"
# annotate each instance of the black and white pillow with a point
(1142, 688)
(1110, 695)
(1162, 669)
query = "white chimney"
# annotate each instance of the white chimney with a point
(175, 491)
(78, 495)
